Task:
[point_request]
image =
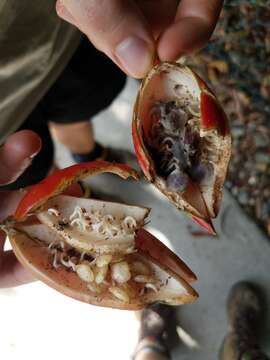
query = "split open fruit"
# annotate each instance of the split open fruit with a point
(182, 140)
(92, 250)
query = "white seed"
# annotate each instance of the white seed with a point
(63, 261)
(53, 211)
(119, 293)
(143, 278)
(55, 258)
(117, 258)
(129, 290)
(139, 267)
(141, 293)
(85, 272)
(94, 288)
(129, 224)
(108, 219)
(72, 264)
(103, 260)
(151, 286)
(101, 273)
(51, 245)
(131, 249)
(121, 272)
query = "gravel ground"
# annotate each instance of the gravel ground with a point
(236, 63)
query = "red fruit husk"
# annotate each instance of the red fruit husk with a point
(212, 117)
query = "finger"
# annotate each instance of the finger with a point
(64, 13)
(194, 23)
(16, 154)
(12, 273)
(9, 202)
(116, 27)
(158, 17)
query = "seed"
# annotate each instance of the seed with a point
(121, 272)
(151, 286)
(117, 258)
(55, 258)
(177, 181)
(101, 273)
(53, 211)
(129, 224)
(85, 272)
(131, 249)
(101, 229)
(94, 288)
(129, 290)
(119, 293)
(103, 260)
(139, 268)
(143, 278)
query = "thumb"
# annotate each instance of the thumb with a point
(16, 154)
(116, 27)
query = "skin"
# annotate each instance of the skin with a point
(165, 31)
(82, 143)
(21, 147)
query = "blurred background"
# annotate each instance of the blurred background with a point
(237, 64)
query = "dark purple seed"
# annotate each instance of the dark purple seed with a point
(169, 106)
(177, 181)
(177, 119)
(174, 121)
(189, 138)
(201, 171)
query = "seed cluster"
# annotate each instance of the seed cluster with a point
(105, 225)
(121, 275)
(124, 279)
(176, 144)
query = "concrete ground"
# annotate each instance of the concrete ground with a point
(38, 322)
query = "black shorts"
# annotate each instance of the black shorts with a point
(88, 84)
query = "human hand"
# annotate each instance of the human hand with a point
(133, 32)
(15, 156)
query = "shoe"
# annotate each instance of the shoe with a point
(244, 311)
(98, 153)
(157, 329)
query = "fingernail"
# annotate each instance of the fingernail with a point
(25, 164)
(135, 56)
(34, 154)
(38, 148)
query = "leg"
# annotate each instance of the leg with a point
(88, 85)
(157, 333)
(245, 312)
(149, 351)
(79, 139)
(82, 143)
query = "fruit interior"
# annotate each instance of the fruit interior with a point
(95, 240)
(169, 110)
(93, 225)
